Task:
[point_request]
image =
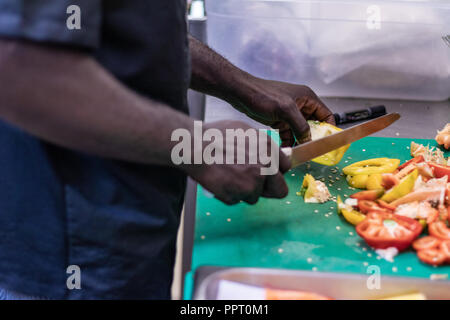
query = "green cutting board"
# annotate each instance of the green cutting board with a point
(291, 234)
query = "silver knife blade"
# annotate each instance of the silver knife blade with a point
(313, 149)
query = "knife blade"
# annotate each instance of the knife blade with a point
(313, 149)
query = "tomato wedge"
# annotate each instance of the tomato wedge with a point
(414, 160)
(368, 194)
(439, 230)
(434, 257)
(384, 230)
(366, 206)
(386, 205)
(440, 170)
(427, 242)
(445, 249)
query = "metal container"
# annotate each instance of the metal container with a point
(340, 286)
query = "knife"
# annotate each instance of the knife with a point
(310, 150)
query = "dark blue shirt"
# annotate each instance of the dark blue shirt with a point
(116, 220)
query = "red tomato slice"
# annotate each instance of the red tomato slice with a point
(445, 249)
(388, 180)
(384, 230)
(434, 257)
(440, 170)
(368, 194)
(366, 206)
(413, 160)
(384, 204)
(439, 230)
(428, 242)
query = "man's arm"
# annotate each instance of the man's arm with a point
(67, 98)
(283, 106)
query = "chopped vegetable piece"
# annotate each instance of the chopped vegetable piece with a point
(358, 181)
(323, 129)
(427, 242)
(414, 160)
(404, 187)
(374, 181)
(389, 180)
(419, 195)
(384, 230)
(368, 195)
(367, 206)
(353, 216)
(371, 166)
(434, 257)
(439, 170)
(443, 136)
(439, 230)
(386, 205)
(314, 191)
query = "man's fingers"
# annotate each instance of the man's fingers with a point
(298, 124)
(275, 187)
(313, 108)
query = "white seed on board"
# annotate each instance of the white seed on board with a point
(314, 269)
(364, 150)
(309, 260)
(369, 255)
(316, 211)
(365, 264)
(229, 220)
(394, 269)
(208, 213)
(350, 233)
(288, 202)
(280, 250)
(293, 174)
(202, 237)
(338, 228)
(408, 269)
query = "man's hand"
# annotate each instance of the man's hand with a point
(232, 183)
(283, 106)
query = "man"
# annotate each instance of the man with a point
(86, 175)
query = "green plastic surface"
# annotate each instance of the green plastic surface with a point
(291, 234)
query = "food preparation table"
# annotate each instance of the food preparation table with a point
(290, 234)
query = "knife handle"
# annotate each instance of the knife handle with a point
(359, 115)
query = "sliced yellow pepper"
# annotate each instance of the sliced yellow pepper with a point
(359, 181)
(403, 188)
(323, 129)
(371, 166)
(310, 184)
(351, 215)
(374, 182)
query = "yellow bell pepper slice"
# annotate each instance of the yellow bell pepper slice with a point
(323, 129)
(405, 186)
(310, 184)
(371, 166)
(374, 182)
(351, 215)
(359, 181)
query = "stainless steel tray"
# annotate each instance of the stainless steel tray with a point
(341, 286)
